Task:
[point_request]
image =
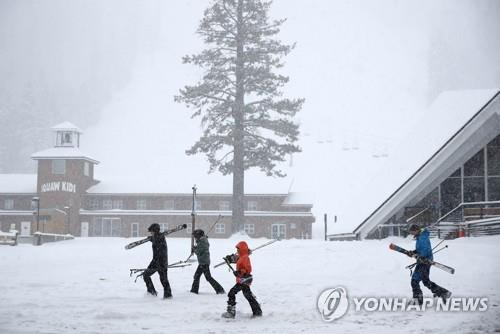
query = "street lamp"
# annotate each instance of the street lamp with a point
(35, 203)
(67, 209)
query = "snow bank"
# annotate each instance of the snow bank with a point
(83, 286)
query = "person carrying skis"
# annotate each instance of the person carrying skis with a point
(423, 250)
(202, 251)
(244, 278)
(159, 263)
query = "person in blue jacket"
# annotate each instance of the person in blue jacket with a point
(423, 250)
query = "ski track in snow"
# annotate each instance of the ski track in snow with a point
(83, 286)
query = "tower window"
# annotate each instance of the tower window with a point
(58, 167)
(67, 138)
(86, 168)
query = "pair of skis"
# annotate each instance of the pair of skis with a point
(420, 259)
(172, 230)
(164, 233)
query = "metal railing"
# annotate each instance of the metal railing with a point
(464, 220)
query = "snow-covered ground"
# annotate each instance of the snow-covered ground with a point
(83, 286)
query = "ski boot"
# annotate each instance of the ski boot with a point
(257, 313)
(220, 292)
(418, 301)
(230, 313)
(167, 295)
(443, 295)
(152, 293)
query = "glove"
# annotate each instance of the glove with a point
(193, 249)
(411, 253)
(236, 273)
(229, 258)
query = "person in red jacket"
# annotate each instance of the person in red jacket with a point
(244, 278)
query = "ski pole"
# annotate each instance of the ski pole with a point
(439, 243)
(441, 249)
(213, 225)
(253, 250)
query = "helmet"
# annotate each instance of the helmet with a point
(198, 234)
(154, 228)
(414, 228)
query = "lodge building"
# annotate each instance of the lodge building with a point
(63, 197)
(454, 190)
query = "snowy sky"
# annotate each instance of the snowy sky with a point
(368, 71)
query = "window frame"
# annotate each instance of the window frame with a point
(220, 228)
(224, 206)
(141, 204)
(248, 230)
(252, 206)
(107, 204)
(12, 204)
(58, 169)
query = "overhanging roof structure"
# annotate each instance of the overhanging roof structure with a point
(478, 130)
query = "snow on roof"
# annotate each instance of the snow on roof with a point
(351, 184)
(299, 198)
(446, 116)
(62, 153)
(145, 183)
(18, 183)
(66, 126)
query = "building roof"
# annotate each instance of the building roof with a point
(456, 126)
(62, 153)
(143, 183)
(18, 183)
(66, 126)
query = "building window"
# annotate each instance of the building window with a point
(249, 229)
(293, 226)
(473, 189)
(220, 228)
(107, 227)
(94, 204)
(118, 204)
(8, 204)
(169, 204)
(134, 233)
(107, 204)
(163, 227)
(224, 206)
(252, 206)
(58, 167)
(142, 204)
(494, 188)
(475, 165)
(493, 154)
(278, 231)
(451, 192)
(86, 168)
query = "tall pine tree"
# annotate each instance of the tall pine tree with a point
(246, 120)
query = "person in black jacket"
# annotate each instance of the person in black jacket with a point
(159, 263)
